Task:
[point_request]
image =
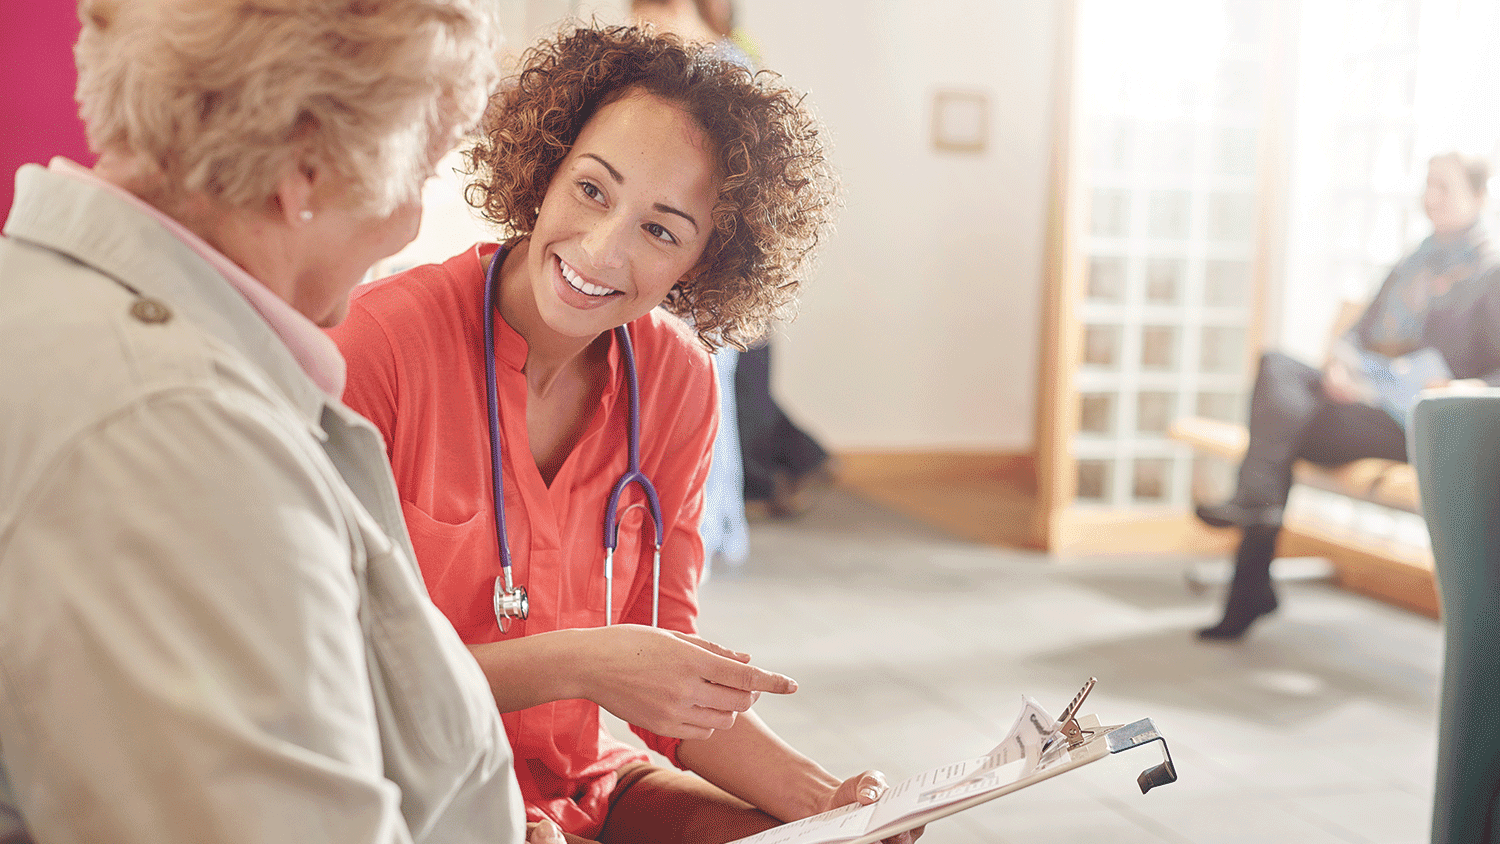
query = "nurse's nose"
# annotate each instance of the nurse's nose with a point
(605, 242)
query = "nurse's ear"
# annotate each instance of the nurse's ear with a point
(692, 276)
(687, 281)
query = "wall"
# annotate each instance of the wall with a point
(36, 89)
(921, 327)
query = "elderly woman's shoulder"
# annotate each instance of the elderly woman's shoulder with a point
(94, 350)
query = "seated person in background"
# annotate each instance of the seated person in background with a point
(630, 171)
(1441, 300)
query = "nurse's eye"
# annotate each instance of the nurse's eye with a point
(658, 231)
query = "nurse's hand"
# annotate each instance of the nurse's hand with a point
(672, 684)
(865, 789)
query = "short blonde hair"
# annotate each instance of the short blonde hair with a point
(217, 96)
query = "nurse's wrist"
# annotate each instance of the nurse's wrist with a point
(572, 660)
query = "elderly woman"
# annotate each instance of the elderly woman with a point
(518, 382)
(211, 624)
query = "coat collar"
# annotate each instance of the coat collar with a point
(113, 235)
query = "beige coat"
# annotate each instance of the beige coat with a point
(211, 625)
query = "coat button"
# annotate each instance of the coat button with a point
(150, 311)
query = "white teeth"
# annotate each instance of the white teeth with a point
(577, 282)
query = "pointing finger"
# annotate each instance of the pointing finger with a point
(749, 678)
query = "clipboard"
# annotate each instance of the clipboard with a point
(1061, 745)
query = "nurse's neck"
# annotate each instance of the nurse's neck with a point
(550, 355)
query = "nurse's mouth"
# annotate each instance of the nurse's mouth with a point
(578, 283)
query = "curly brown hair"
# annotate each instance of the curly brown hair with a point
(778, 193)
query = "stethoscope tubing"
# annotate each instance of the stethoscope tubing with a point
(509, 601)
(515, 597)
(633, 475)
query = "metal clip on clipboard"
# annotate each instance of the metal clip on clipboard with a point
(1037, 748)
(1116, 739)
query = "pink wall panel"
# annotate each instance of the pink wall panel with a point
(38, 118)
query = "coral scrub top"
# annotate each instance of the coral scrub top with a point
(415, 349)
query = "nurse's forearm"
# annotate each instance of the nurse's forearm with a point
(754, 764)
(533, 670)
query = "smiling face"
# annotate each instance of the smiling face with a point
(627, 215)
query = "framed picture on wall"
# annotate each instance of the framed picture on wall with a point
(960, 121)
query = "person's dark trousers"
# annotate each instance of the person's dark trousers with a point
(770, 441)
(1291, 418)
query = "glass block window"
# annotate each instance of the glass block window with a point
(1155, 410)
(1223, 349)
(1167, 213)
(1226, 284)
(1093, 480)
(1106, 281)
(1173, 171)
(1165, 280)
(1152, 479)
(1159, 347)
(1096, 413)
(1223, 406)
(1110, 213)
(1101, 346)
(1231, 217)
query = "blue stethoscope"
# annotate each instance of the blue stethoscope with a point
(510, 600)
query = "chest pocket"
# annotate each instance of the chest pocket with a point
(632, 561)
(459, 563)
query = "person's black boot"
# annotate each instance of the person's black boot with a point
(1239, 615)
(1234, 514)
(1250, 592)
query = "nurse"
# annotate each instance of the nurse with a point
(630, 172)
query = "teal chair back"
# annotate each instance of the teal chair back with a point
(1455, 446)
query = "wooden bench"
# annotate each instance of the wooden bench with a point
(1366, 565)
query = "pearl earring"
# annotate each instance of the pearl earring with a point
(305, 215)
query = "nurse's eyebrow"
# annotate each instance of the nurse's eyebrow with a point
(662, 207)
(610, 167)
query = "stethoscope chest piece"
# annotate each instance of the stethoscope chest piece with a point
(510, 602)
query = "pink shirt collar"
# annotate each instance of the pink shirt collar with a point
(317, 354)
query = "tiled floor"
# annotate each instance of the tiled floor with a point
(913, 649)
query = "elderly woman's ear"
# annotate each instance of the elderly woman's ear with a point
(296, 192)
